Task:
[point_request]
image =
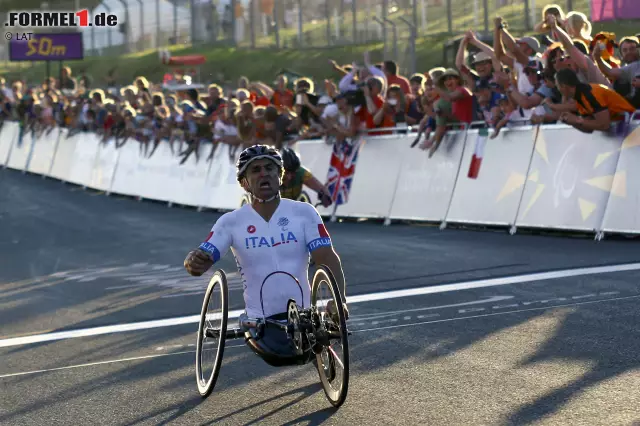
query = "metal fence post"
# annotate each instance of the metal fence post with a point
(354, 20)
(141, 38)
(276, 26)
(327, 15)
(412, 45)
(157, 24)
(385, 49)
(395, 38)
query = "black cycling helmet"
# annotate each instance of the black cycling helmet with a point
(256, 152)
(290, 160)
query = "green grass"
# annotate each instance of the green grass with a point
(224, 64)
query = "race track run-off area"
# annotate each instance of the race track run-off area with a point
(98, 323)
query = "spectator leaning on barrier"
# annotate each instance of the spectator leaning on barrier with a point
(597, 105)
(455, 105)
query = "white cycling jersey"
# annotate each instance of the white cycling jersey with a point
(261, 248)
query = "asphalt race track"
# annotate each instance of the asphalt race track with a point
(493, 329)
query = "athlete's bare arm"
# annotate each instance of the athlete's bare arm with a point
(328, 256)
(197, 262)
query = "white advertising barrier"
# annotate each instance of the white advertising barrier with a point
(493, 197)
(126, 179)
(186, 182)
(570, 179)
(21, 150)
(221, 189)
(43, 152)
(64, 158)
(84, 158)
(424, 185)
(152, 174)
(623, 210)
(105, 166)
(8, 134)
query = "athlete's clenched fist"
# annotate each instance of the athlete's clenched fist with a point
(197, 262)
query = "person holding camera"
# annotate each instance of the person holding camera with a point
(393, 111)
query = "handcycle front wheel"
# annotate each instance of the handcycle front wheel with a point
(333, 361)
(212, 332)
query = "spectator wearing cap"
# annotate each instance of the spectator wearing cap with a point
(597, 105)
(454, 106)
(390, 69)
(524, 51)
(487, 107)
(510, 115)
(630, 52)
(484, 62)
(415, 112)
(587, 70)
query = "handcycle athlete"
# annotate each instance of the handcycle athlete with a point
(272, 239)
(296, 176)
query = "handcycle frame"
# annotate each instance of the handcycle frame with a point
(308, 332)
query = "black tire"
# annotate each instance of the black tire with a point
(336, 395)
(218, 289)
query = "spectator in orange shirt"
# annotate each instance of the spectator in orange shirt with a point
(373, 102)
(394, 110)
(282, 97)
(390, 69)
(597, 105)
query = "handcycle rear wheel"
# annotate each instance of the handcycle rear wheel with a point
(212, 331)
(324, 290)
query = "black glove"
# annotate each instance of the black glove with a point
(324, 199)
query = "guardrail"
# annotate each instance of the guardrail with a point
(550, 176)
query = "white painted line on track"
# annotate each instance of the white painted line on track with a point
(112, 361)
(352, 331)
(516, 279)
(542, 308)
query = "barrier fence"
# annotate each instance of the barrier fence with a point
(551, 176)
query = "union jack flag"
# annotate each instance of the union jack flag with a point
(342, 167)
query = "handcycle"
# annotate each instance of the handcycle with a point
(297, 336)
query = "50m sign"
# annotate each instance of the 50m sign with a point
(48, 47)
(45, 46)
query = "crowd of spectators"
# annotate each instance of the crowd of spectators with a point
(563, 74)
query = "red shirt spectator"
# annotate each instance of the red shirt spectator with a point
(462, 109)
(399, 81)
(390, 69)
(283, 99)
